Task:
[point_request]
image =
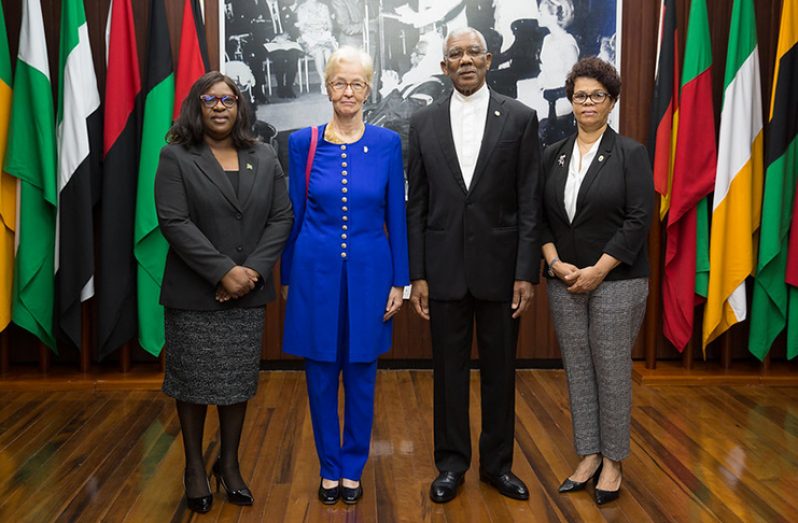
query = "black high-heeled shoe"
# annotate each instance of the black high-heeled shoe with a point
(350, 496)
(329, 496)
(201, 504)
(605, 496)
(242, 496)
(570, 485)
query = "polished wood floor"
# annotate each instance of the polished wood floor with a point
(714, 453)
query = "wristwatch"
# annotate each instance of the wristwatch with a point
(551, 266)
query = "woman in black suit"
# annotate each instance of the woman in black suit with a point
(597, 201)
(223, 206)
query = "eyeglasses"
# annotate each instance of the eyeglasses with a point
(210, 101)
(457, 53)
(340, 86)
(596, 98)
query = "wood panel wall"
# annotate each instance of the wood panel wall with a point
(411, 334)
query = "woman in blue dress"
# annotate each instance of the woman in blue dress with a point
(346, 264)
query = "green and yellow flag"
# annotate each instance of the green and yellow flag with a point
(8, 185)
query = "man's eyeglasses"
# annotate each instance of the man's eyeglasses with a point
(456, 53)
(340, 86)
(597, 97)
(210, 101)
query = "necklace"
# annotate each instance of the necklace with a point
(333, 135)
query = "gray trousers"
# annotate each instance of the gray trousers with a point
(596, 332)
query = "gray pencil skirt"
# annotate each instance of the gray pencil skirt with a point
(213, 357)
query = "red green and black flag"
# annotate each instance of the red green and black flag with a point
(687, 246)
(150, 247)
(192, 59)
(116, 287)
(665, 105)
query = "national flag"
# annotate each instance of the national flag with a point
(150, 246)
(31, 157)
(737, 202)
(775, 304)
(665, 105)
(117, 317)
(8, 185)
(693, 179)
(79, 139)
(192, 58)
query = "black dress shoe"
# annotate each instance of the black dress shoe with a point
(445, 486)
(605, 496)
(350, 496)
(570, 485)
(201, 504)
(508, 484)
(328, 496)
(242, 496)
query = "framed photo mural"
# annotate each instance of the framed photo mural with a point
(276, 50)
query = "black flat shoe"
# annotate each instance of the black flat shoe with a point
(350, 496)
(507, 484)
(444, 487)
(201, 504)
(242, 496)
(329, 496)
(570, 485)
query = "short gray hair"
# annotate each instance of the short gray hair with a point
(463, 31)
(351, 55)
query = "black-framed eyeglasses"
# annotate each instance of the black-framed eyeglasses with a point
(340, 86)
(210, 101)
(456, 53)
(596, 97)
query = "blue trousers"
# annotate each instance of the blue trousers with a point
(341, 459)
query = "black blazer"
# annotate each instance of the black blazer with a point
(210, 228)
(613, 205)
(482, 239)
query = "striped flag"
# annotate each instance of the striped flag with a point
(31, 157)
(773, 301)
(79, 135)
(150, 246)
(192, 58)
(8, 185)
(117, 316)
(693, 179)
(665, 105)
(737, 203)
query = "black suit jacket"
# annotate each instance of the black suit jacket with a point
(613, 205)
(481, 239)
(211, 228)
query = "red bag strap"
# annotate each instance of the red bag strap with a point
(314, 141)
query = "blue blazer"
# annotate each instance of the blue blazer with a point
(355, 219)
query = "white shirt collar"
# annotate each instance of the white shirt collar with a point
(479, 95)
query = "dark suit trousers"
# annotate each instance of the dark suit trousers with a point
(451, 324)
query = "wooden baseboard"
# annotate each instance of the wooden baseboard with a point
(140, 377)
(711, 373)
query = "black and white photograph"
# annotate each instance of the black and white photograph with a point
(276, 51)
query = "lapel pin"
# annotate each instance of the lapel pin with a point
(561, 160)
(365, 148)
(497, 113)
(601, 157)
(249, 166)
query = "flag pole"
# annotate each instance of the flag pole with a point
(124, 358)
(85, 338)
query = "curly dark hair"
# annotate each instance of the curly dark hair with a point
(597, 69)
(188, 129)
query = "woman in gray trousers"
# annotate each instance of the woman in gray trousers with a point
(597, 198)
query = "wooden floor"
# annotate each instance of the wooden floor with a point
(714, 453)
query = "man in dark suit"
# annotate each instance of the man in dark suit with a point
(473, 218)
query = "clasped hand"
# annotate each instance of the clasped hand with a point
(579, 281)
(237, 282)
